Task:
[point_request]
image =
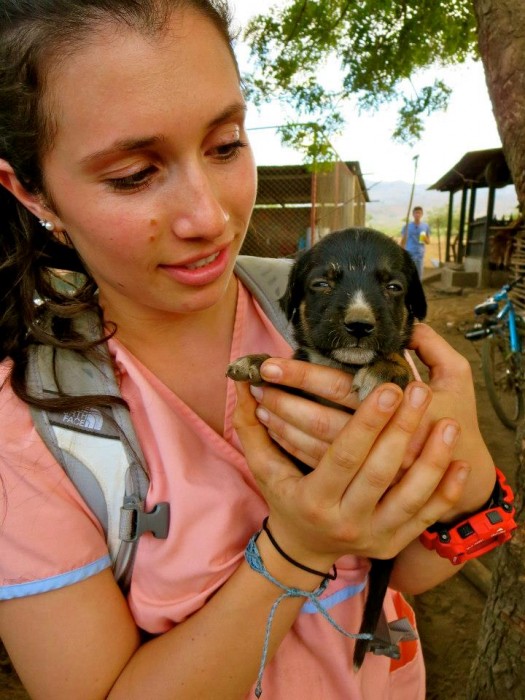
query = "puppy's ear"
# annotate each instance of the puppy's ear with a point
(291, 299)
(415, 300)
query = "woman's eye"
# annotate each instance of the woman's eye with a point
(228, 151)
(133, 182)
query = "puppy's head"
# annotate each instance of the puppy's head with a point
(353, 297)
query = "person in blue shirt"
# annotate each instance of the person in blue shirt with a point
(415, 238)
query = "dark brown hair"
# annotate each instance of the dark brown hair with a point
(38, 299)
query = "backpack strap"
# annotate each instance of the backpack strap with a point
(267, 278)
(97, 447)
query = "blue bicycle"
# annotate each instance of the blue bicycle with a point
(502, 331)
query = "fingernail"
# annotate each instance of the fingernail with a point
(262, 414)
(271, 372)
(256, 392)
(450, 434)
(387, 398)
(418, 396)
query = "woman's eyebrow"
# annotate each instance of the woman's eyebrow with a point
(238, 109)
(122, 145)
(127, 145)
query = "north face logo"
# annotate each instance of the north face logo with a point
(83, 419)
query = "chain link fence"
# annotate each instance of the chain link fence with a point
(297, 206)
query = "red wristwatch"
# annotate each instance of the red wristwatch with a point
(478, 533)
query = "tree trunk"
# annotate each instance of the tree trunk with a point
(499, 670)
(501, 39)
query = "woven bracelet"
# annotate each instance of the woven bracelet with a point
(256, 563)
(329, 575)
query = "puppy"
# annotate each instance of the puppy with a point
(352, 300)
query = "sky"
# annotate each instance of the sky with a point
(467, 125)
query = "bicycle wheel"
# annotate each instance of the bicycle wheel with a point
(503, 374)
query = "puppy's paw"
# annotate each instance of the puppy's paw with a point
(247, 369)
(396, 370)
(365, 381)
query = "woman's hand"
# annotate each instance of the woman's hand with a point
(348, 504)
(450, 378)
(306, 430)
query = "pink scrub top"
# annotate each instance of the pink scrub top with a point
(50, 539)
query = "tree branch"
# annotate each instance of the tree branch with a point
(342, 15)
(295, 29)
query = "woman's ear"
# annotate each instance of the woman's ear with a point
(32, 202)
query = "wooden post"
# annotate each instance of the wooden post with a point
(449, 225)
(313, 212)
(471, 214)
(462, 224)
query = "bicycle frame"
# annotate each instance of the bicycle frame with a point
(508, 310)
(501, 354)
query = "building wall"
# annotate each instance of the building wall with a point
(283, 227)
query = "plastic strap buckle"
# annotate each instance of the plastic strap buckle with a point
(388, 635)
(134, 521)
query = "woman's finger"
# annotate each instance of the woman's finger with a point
(311, 458)
(287, 409)
(266, 461)
(349, 451)
(427, 490)
(326, 382)
(454, 397)
(448, 493)
(306, 448)
(387, 455)
(445, 364)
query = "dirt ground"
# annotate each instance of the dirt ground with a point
(449, 615)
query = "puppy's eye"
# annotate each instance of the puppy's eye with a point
(394, 287)
(320, 285)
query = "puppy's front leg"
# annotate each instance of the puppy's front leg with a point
(392, 368)
(247, 369)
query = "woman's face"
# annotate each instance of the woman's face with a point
(150, 171)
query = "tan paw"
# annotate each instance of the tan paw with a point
(247, 369)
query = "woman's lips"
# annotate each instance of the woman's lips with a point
(201, 272)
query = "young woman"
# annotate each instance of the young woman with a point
(123, 154)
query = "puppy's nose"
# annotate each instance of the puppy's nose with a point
(360, 329)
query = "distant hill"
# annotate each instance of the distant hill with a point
(387, 209)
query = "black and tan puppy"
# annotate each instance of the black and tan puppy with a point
(352, 300)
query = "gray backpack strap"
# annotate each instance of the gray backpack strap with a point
(267, 278)
(97, 447)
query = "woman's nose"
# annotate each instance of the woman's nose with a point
(199, 211)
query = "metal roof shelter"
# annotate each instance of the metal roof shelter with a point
(475, 170)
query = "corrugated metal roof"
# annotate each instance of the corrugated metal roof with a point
(476, 169)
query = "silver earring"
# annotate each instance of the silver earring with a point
(49, 225)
